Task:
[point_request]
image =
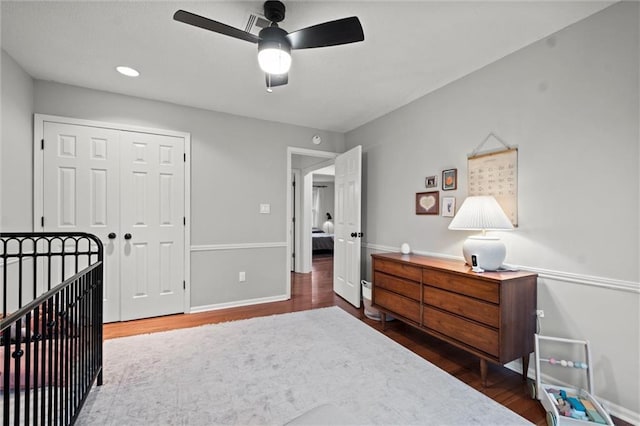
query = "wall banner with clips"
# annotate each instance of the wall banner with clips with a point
(495, 173)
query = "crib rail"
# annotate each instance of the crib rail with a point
(51, 344)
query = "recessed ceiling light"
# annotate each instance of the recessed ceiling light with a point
(129, 72)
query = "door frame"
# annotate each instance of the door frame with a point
(291, 151)
(38, 167)
(296, 197)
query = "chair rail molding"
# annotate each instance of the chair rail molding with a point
(569, 277)
(237, 246)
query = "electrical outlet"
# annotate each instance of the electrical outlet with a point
(540, 313)
(242, 276)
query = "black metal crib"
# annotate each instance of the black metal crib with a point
(50, 325)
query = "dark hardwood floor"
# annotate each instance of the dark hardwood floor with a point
(314, 290)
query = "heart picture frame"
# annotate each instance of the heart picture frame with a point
(428, 202)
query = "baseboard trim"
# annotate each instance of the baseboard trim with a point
(588, 280)
(239, 246)
(236, 304)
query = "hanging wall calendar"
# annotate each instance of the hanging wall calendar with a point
(496, 173)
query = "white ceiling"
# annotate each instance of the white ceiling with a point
(410, 49)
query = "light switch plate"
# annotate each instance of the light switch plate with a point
(265, 208)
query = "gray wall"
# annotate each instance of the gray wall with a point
(571, 104)
(16, 173)
(237, 163)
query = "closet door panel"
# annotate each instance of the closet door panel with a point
(152, 171)
(81, 194)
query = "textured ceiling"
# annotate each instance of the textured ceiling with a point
(410, 49)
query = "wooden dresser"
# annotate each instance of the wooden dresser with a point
(490, 314)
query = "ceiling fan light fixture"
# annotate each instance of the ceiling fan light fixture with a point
(275, 44)
(274, 60)
(274, 50)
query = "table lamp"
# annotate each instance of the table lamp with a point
(482, 213)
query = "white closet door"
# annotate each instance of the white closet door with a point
(81, 194)
(347, 232)
(128, 189)
(152, 212)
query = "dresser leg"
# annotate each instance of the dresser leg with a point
(383, 318)
(525, 367)
(483, 372)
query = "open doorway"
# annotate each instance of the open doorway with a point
(311, 192)
(346, 221)
(322, 212)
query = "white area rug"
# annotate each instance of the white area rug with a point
(270, 370)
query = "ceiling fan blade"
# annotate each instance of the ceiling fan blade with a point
(332, 33)
(274, 80)
(211, 25)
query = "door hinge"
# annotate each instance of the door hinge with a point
(184, 220)
(42, 221)
(185, 157)
(184, 285)
(41, 143)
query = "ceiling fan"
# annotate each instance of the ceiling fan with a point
(275, 44)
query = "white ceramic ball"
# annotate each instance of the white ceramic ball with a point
(405, 249)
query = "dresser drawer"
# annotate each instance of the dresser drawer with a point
(401, 305)
(398, 285)
(472, 334)
(399, 269)
(464, 285)
(486, 313)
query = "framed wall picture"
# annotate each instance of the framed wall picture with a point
(448, 206)
(431, 182)
(449, 179)
(427, 202)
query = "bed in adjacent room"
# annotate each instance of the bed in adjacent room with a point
(321, 241)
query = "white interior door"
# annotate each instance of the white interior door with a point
(347, 222)
(128, 189)
(152, 206)
(80, 194)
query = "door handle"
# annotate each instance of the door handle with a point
(111, 235)
(353, 235)
(127, 236)
(356, 235)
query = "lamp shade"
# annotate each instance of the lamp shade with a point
(481, 213)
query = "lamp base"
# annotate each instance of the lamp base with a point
(489, 251)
